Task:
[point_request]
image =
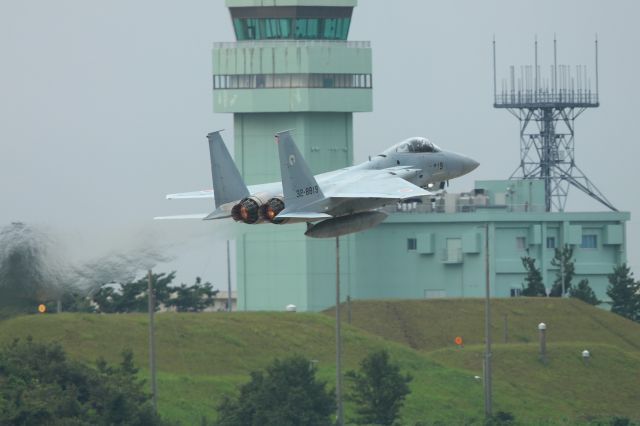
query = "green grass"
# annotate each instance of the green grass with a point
(202, 357)
(564, 384)
(433, 324)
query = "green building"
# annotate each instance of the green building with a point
(437, 249)
(290, 68)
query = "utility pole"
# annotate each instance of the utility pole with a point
(229, 301)
(338, 345)
(506, 328)
(487, 330)
(562, 269)
(152, 342)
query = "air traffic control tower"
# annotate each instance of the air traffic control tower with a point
(290, 68)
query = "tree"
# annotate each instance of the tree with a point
(194, 298)
(378, 389)
(132, 297)
(563, 260)
(287, 394)
(41, 386)
(584, 292)
(624, 292)
(71, 300)
(29, 268)
(534, 286)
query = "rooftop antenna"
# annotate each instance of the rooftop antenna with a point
(495, 93)
(596, 47)
(535, 65)
(547, 117)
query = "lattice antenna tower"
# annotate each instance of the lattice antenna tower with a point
(546, 108)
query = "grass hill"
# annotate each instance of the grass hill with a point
(564, 386)
(201, 357)
(434, 324)
(204, 356)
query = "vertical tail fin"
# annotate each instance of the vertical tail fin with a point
(298, 184)
(228, 184)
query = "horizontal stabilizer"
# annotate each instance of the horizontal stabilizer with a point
(182, 216)
(207, 193)
(218, 214)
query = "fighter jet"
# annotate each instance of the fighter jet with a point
(335, 203)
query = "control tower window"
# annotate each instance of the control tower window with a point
(291, 22)
(307, 28)
(291, 28)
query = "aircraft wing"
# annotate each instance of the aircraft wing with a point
(274, 188)
(207, 193)
(375, 184)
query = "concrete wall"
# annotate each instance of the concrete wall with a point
(292, 57)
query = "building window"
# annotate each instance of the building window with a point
(521, 243)
(279, 81)
(278, 28)
(516, 291)
(589, 241)
(412, 243)
(551, 242)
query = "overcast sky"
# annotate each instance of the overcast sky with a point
(104, 107)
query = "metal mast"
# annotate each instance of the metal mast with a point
(546, 110)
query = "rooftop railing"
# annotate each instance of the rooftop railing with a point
(289, 42)
(439, 208)
(506, 99)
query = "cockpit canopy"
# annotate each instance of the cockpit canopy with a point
(413, 145)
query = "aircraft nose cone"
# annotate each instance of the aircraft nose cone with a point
(468, 165)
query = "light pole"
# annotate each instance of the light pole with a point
(542, 327)
(152, 341)
(487, 329)
(338, 345)
(562, 269)
(229, 300)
